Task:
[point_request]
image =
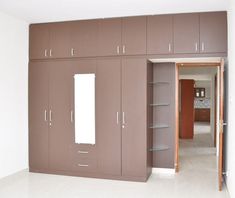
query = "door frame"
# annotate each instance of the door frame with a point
(220, 70)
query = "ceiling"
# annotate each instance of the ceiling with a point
(37, 11)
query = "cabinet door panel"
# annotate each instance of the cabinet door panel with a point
(60, 40)
(84, 36)
(134, 35)
(134, 106)
(213, 32)
(109, 37)
(38, 115)
(60, 130)
(38, 41)
(186, 33)
(160, 34)
(108, 107)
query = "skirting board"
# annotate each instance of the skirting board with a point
(167, 171)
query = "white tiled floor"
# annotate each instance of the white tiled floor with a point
(197, 179)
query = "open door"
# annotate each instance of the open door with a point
(221, 124)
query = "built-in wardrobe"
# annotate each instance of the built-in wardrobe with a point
(99, 105)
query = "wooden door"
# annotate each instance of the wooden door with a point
(134, 35)
(59, 115)
(84, 36)
(109, 37)
(187, 109)
(108, 115)
(60, 40)
(160, 34)
(38, 115)
(134, 120)
(186, 33)
(213, 32)
(39, 41)
(83, 156)
(221, 124)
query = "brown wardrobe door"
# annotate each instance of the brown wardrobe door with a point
(84, 36)
(134, 107)
(38, 115)
(39, 41)
(134, 35)
(213, 32)
(59, 118)
(186, 33)
(60, 40)
(108, 115)
(109, 37)
(160, 34)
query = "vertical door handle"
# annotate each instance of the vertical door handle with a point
(72, 52)
(123, 118)
(169, 47)
(203, 46)
(50, 116)
(117, 118)
(45, 115)
(71, 116)
(123, 49)
(118, 49)
(45, 52)
(196, 47)
(50, 53)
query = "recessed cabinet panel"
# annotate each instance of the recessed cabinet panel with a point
(186, 33)
(134, 35)
(160, 34)
(38, 115)
(39, 41)
(109, 37)
(213, 32)
(134, 120)
(84, 38)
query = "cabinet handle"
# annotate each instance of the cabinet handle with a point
(118, 49)
(83, 165)
(169, 47)
(50, 116)
(117, 118)
(45, 115)
(83, 152)
(45, 52)
(72, 52)
(123, 118)
(123, 49)
(50, 52)
(203, 46)
(196, 47)
(71, 116)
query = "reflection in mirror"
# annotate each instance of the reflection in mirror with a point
(84, 101)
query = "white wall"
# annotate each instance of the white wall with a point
(13, 95)
(231, 109)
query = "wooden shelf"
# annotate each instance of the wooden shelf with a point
(159, 126)
(159, 104)
(159, 148)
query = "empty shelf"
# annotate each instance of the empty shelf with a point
(159, 148)
(160, 104)
(159, 126)
(159, 82)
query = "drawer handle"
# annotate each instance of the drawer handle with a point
(83, 165)
(83, 152)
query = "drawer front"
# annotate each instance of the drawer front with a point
(83, 151)
(81, 164)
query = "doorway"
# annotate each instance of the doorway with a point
(200, 107)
